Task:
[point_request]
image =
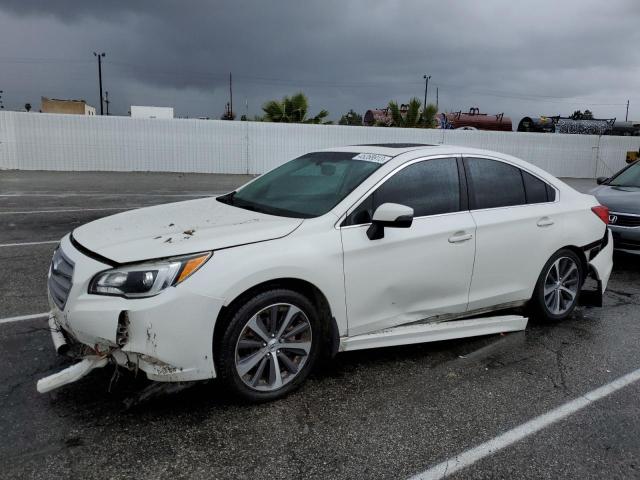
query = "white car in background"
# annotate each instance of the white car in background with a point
(348, 248)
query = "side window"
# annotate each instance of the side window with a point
(537, 191)
(494, 184)
(430, 188)
(551, 193)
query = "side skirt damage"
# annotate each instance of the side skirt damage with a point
(434, 332)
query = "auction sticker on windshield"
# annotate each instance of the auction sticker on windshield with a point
(372, 157)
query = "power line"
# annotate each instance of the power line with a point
(530, 97)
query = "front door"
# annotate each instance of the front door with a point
(412, 273)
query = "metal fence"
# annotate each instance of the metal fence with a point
(38, 141)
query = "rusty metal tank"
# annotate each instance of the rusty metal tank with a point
(475, 120)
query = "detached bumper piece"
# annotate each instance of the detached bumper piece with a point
(70, 374)
(74, 372)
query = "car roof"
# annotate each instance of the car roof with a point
(403, 152)
(419, 149)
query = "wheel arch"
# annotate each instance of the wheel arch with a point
(581, 255)
(306, 288)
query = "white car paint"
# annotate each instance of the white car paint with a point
(442, 266)
(401, 267)
(179, 228)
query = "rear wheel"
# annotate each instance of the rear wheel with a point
(270, 345)
(559, 284)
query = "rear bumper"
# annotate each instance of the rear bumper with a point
(600, 266)
(169, 336)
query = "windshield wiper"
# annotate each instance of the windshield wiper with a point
(230, 199)
(226, 198)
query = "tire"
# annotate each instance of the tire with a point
(555, 298)
(259, 358)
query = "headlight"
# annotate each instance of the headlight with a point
(147, 279)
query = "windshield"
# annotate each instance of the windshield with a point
(306, 187)
(629, 177)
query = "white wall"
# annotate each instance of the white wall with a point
(35, 141)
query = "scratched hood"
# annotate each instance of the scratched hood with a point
(179, 228)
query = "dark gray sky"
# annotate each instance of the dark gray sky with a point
(523, 58)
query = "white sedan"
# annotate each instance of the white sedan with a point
(342, 249)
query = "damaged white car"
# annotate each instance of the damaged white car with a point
(350, 248)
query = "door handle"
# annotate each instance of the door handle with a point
(460, 237)
(545, 222)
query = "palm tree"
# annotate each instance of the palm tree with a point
(351, 118)
(410, 115)
(429, 115)
(406, 116)
(319, 118)
(292, 110)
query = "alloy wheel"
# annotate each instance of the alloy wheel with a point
(273, 347)
(561, 285)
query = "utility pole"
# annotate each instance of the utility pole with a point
(107, 101)
(437, 100)
(230, 97)
(1, 105)
(626, 118)
(100, 56)
(426, 90)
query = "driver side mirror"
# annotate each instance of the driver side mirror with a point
(392, 215)
(601, 180)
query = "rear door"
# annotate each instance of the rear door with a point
(417, 272)
(518, 228)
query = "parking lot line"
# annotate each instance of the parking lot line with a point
(23, 317)
(75, 209)
(469, 457)
(26, 244)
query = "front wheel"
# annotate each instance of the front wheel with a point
(270, 345)
(558, 288)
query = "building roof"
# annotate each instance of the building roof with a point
(64, 100)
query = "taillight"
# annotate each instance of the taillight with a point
(602, 212)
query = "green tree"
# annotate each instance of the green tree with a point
(429, 116)
(292, 109)
(578, 115)
(411, 116)
(351, 118)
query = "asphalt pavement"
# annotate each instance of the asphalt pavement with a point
(387, 413)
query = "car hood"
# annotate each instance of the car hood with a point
(618, 199)
(179, 228)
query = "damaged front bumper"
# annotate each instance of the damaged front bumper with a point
(168, 336)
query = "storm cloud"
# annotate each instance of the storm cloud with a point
(544, 57)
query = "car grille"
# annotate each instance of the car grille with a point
(60, 278)
(623, 220)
